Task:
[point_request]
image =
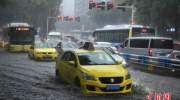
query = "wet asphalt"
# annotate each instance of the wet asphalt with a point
(25, 79)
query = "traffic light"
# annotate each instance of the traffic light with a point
(71, 18)
(66, 18)
(110, 5)
(92, 4)
(77, 19)
(101, 5)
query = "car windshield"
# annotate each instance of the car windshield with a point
(69, 45)
(43, 45)
(95, 58)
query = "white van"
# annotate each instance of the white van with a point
(148, 46)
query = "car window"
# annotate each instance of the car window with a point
(72, 57)
(44, 45)
(139, 43)
(68, 57)
(161, 44)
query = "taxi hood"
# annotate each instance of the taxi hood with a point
(45, 50)
(105, 70)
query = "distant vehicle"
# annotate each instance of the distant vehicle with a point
(94, 71)
(54, 36)
(105, 45)
(174, 55)
(84, 35)
(42, 51)
(118, 33)
(19, 36)
(148, 46)
(63, 46)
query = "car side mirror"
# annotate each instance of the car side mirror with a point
(119, 61)
(72, 63)
(32, 47)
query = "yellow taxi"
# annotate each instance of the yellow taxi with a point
(94, 71)
(42, 51)
(18, 48)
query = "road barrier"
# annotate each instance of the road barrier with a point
(153, 62)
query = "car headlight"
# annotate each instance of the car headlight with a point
(38, 52)
(124, 62)
(128, 76)
(88, 77)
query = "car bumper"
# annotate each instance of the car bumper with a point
(46, 58)
(93, 87)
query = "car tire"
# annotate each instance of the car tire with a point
(29, 56)
(58, 77)
(77, 82)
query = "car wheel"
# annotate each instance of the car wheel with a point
(29, 56)
(56, 73)
(58, 77)
(77, 82)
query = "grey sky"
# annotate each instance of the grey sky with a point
(68, 7)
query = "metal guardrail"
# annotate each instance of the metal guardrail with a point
(152, 62)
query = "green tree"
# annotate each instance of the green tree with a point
(3, 3)
(162, 14)
(31, 11)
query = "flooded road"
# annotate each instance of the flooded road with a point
(25, 79)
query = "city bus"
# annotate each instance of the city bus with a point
(118, 33)
(19, 36)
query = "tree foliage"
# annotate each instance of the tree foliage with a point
(162, 14)
(31, 11)
(3, 3)
(104, 17)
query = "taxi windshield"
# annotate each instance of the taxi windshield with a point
(96, 58)
(44, 45)
(69, 45)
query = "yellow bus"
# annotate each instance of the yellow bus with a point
(118, 33)
(19, 36)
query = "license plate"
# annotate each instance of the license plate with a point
(113, 87)
(46, 57)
